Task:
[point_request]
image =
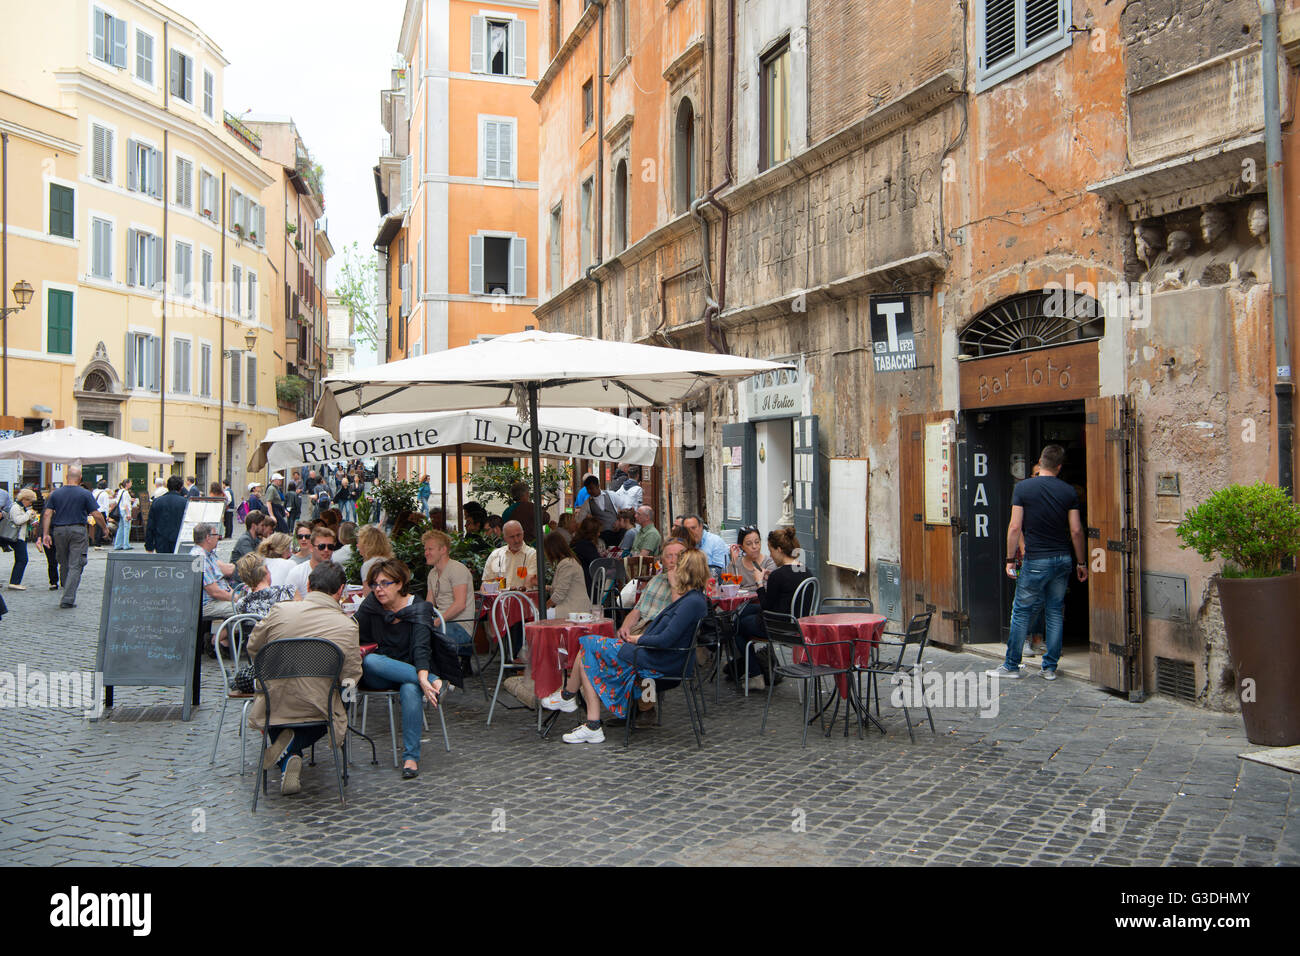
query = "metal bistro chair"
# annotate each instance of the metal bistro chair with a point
(916, 635)
(391, 697)
(689, 681)
(614, 577)
(299, 657)
(233, 627)
(782, 630)
(500, 620)
(806, 600)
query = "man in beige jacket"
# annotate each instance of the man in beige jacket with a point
(301, 699)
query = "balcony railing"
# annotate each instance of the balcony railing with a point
(252, 140)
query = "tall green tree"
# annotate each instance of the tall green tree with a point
(356, 285)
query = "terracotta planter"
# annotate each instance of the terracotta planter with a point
(1262, 618)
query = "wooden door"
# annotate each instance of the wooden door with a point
(1114, 574)
(929, 551)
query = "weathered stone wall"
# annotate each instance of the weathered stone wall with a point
(1166, 36)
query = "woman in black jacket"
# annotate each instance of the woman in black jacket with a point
(412, 652)
(776, 593)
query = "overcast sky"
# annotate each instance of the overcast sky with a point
(322, 63)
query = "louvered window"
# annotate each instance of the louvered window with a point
(101, 163)
(496, 148)
(1013, 35)
(184, 183)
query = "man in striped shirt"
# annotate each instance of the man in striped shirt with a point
(658, 594)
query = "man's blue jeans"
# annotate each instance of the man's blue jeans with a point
(1040, 588)
(384, 673)
(460, 637)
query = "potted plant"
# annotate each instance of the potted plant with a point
(291, 227)
(1255, 529)
(297, 244)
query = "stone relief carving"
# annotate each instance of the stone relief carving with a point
(1222, 243)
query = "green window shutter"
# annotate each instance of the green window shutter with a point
(59, 320)
(60, 211)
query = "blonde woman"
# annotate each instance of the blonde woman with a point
(375, 548)
(261, 594)
(275, 551)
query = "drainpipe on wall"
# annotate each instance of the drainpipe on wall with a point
(599, 198)
(713, 307)
(1284, 386)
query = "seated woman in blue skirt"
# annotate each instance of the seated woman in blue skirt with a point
(604, 671)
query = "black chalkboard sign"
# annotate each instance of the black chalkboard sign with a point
(149, 621)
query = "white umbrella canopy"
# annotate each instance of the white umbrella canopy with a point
(569, 370)
(566, 432)
(76, 446)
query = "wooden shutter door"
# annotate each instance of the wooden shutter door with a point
(1114, 572)
(929, 551)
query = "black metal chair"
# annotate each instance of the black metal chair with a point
(847, 605)
(689, 681)
(784, 631)
(806, 600)
(916, 635)
(299, 657)
(611, 573)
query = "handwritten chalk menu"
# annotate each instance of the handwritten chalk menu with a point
(197, 511)
(148, 622)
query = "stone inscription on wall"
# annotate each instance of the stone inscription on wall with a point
(872, 206)
(1219, 101)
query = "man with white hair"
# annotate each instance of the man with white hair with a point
(64, 528)
(218, 595)
(507, 562)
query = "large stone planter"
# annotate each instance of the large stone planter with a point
(1262, 620)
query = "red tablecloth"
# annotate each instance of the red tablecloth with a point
(545, 638)
(732, 603)
(862, 630)
(513, 612)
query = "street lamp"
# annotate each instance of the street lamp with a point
(23, 296)
(250, 337)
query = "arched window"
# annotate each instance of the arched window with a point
(620, 206)
(1034, 320)
(684, 156)
(95, 382)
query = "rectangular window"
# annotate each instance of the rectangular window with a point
(184, 194)
(1013, 35)
(59, 322)
(584, 251)
(205, 276)
(208, 196)
(498, 47)
(181, 352)
(588, 105)
(143, 169)
(236, 289)
(252, 296)
(252, 380)
(496, 149)
(101, 248)
(557, 249)
(183, 273)
(181, 76)
(235, 365)
(496, 265)
(141, 360)
(143, 260)
(101, 162)
(144, 57)
(774, 107)
(110, 39)
(205, 371)
(61, 206)
(209, 94)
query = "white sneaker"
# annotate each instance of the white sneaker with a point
(1005, 673)
(556, 701)
(1049, 675)
(290, 780)
(582, 734)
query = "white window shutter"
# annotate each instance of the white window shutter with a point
(476, 265)
(478, 45)
(153, 367)
(252, 380)
(518, 48)
(519, 266)
(252, 296)
(155, 174)
(406, 183)
(173, 72)
(132, 165)
(490, 150)
(99, 153)
(156, 262)
(102, 39)
(506, 150)
(130, 360)
(130, 256)
(119, 43)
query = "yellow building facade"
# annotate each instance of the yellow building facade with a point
(135, 212)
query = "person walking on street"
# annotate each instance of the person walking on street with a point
(166, 515)
(51, 561)
(275, 501)
(64, 529)
(103, 499)
(125, 510)
(230, 507)
(1045, 520)
(14, 528)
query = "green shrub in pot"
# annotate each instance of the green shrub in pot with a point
(1253, 528)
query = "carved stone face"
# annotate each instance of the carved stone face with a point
(1214, 225)
(1148, 242)
(1257, 220)
(1180, 244)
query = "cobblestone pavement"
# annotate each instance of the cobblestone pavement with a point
(1064, 774)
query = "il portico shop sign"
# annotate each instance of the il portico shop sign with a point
(1060, 374)
(776, 394)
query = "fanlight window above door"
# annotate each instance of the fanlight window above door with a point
(1033, 320)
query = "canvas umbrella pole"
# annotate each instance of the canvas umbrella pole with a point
(535, 436)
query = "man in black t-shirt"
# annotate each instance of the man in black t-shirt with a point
(1045, 519)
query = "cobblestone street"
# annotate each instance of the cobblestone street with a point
(1024, 787)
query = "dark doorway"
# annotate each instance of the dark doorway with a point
(1002, 448)
(91, 474)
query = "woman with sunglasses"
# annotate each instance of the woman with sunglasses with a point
(748, 562)
(413, 656)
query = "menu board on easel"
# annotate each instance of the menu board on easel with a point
(198, 511)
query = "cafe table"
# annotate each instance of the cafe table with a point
(514, 613)
(546, 640)
(842, 641)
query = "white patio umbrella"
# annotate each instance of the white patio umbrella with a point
(75, 446)
(572, 370)
(566, 432)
